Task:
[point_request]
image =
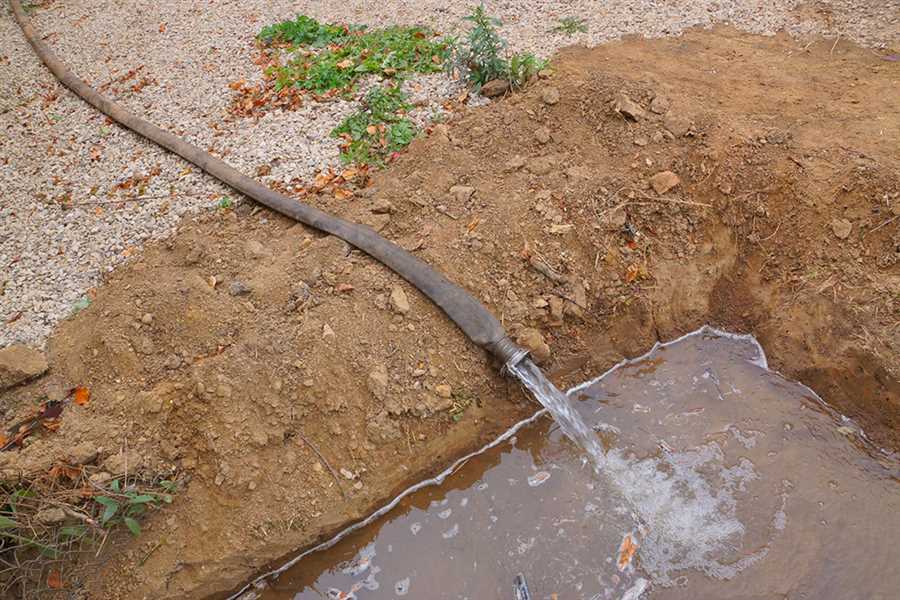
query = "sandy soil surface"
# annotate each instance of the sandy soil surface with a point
(249, 356)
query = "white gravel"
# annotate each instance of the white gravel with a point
(53, 146)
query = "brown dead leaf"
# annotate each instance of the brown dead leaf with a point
(81, 395)
(344, 288)
(473, 224)
(263, 170)
(636, 272)
(62, 470)
(323, 179)
(342, 193)
(345, 64)
(162, 27)
(51, 424)
(371, 130)
(626, 551)
(54, 580)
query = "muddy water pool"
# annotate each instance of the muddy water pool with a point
(720, 480)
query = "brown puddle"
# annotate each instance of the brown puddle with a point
(721, 480)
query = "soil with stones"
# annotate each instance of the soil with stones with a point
(645, 188)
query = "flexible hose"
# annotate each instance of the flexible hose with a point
(471, 316)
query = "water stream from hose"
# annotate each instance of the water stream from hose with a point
(559, 406)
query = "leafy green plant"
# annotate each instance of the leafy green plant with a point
(342, 54)
(379, 129)
(571, 26)
(225, 202)
(523, 67)
(302, 31)
(129, 506)
(28, 539)
(481, 57)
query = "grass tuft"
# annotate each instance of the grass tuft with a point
(64, 514)
(571, 26)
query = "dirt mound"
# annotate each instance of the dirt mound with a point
(647, 187)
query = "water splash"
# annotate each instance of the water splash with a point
(570, 422)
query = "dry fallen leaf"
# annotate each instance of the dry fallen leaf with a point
(626, 551)
(323, 179)
(342, 194)
(54, 580)
(81, 395)
(345, 64)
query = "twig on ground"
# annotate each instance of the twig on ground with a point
(324, 461)
(888, 222)
(541, 266)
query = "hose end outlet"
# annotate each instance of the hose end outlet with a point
(508, 352)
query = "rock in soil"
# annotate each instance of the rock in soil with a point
(462, 193)
(238, 288)
(628, 108)
(550, 95)
(542, 135)
(399, 301)
(443, 390)
(19, 363)
(676, 124)
(494, 88)
(378, 382)
(659, 105)
(841, 228)
(664, 181)
(532, 340)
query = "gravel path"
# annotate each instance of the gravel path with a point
(55, 150)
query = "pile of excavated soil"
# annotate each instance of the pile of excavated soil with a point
(647, 187)
(82, 195)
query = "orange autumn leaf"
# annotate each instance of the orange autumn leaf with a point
(626, 551)
(323, 179)
(51, 424)
(81, 396)
(342, 194)
(54, 580)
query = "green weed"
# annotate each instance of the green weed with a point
(462, 400)
(28, 540)
(225, 202)
(482, 56)
(334, 57)
(571, 26)
(378, 130)
(303, 31)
